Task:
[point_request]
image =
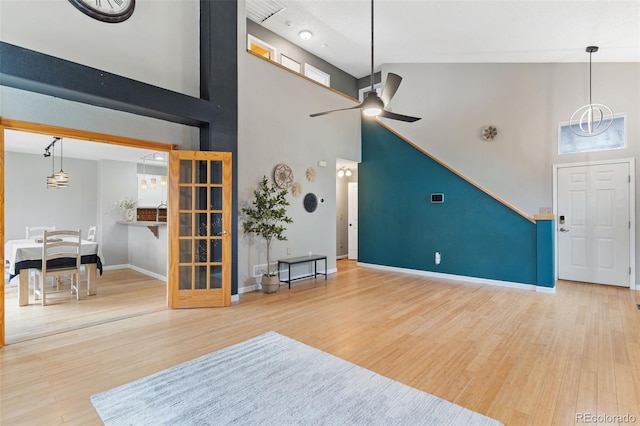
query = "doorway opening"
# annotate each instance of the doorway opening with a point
(346, 209)
(19, 323)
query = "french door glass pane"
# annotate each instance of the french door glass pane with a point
(186, 251)
(216, 198)
(185, 225)
(201, 277)
(201, 251)
(216, 172)
(216, 251)
(216, 224)
(216, 276)
(185, 171)
(201, 171)
(185, 198)
(202, 224)
(201, 198)
(185, 277)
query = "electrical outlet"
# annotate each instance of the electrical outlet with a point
(288, 251)
(438, 258)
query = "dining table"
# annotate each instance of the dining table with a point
(26, 254)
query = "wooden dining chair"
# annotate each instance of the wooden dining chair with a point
(61, 254)
(37, 231)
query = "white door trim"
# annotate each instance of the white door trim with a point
(632, 209)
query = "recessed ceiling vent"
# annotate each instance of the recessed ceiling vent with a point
(261, 10)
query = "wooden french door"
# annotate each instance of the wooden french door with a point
(199, 229)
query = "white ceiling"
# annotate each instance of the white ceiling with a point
(32, 143)
(424, 31)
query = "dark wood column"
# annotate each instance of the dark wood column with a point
(219, 86)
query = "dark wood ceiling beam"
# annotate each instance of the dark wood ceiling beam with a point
(33, 71)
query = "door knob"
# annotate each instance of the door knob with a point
(564, 230)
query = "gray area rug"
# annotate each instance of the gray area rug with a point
(272, 379)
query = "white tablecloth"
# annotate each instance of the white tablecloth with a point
(18, 250)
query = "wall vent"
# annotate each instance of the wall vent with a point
(258, 270)
(261, 10)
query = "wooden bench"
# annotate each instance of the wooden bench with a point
(303, 259)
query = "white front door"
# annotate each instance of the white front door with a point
(352, 215)
(593, 223)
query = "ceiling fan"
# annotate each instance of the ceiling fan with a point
(374, 105)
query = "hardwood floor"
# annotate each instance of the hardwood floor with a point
(122, 294)
(518, 356)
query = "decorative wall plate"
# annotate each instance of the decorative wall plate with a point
(283, 176)
(296, 189)
(311, 174)
(488, 133)
(310, 202)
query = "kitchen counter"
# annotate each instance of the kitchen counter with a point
(152, 225)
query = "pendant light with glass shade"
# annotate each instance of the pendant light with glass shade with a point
(51, 180)
(62, 178)
(591, 119)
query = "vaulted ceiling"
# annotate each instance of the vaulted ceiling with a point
(450, 31)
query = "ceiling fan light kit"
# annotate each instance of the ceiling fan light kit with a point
(374, 105)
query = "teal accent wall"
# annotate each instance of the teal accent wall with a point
(398, 226)
(546, 273)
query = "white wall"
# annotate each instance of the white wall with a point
(274, 128)
(526, 102)
(167, 29)
(116, 180)
(147, 253)
(29, 203)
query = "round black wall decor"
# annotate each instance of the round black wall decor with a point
(310, 202)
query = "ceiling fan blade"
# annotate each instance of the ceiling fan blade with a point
(391, 85)
(334, 110)
(394, 116)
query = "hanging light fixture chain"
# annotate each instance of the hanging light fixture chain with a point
(590, 53)
(372, 45)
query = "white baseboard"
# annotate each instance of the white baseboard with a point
(475, 280)
(343, 256)
(248, 288)
(113, 267)
(137, 269)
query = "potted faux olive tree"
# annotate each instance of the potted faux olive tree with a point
(264, 217)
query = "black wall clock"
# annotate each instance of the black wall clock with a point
(106, 10)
